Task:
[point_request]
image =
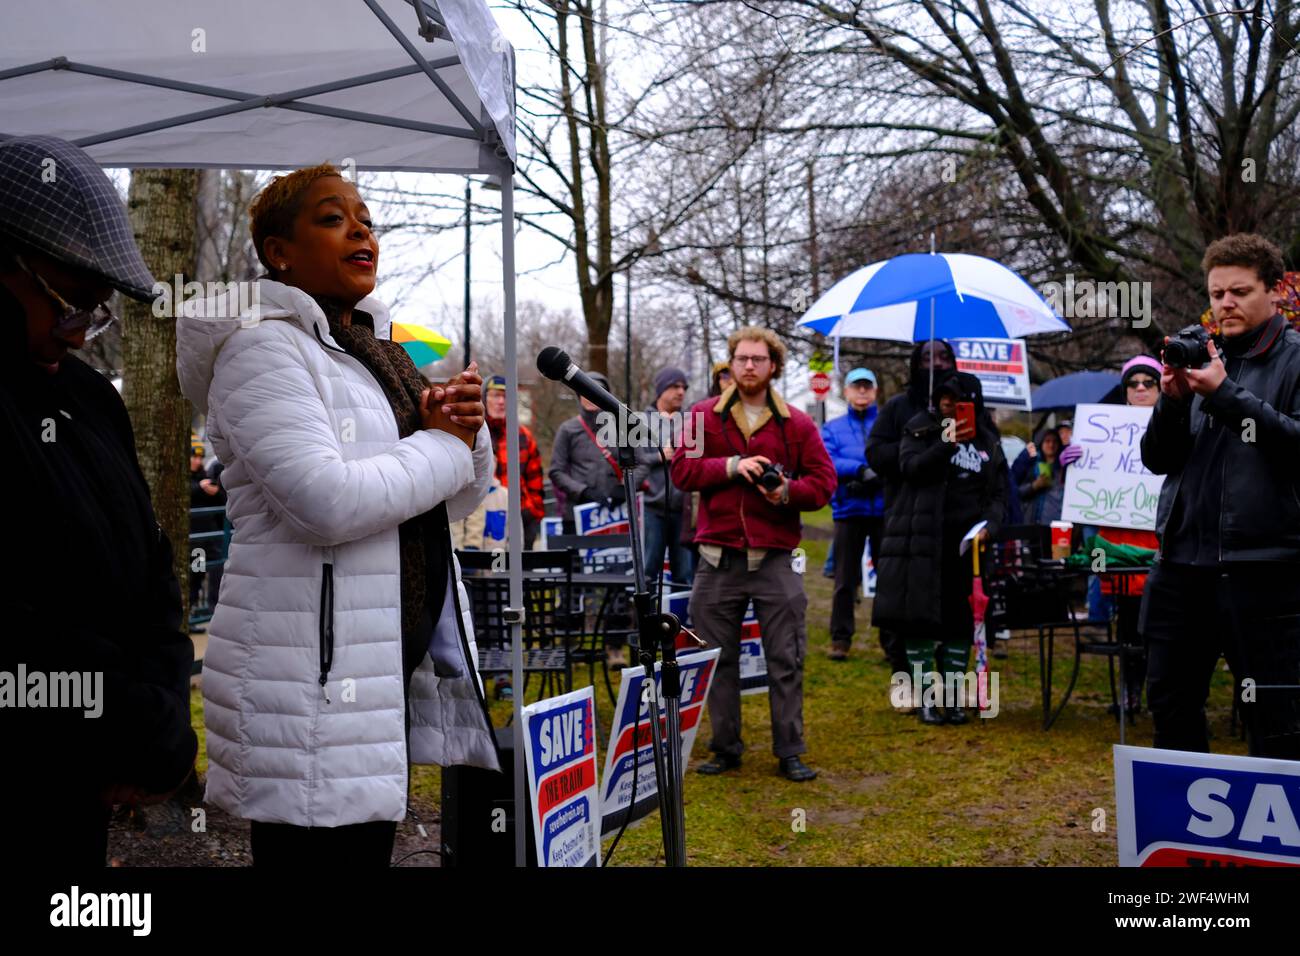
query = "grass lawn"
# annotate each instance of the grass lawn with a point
(893, 791)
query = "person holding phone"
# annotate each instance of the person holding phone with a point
(951, 469)
(341, 648)
(1041, 485)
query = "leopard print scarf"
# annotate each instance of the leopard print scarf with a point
(424, 539)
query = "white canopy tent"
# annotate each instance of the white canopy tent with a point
(406, 85)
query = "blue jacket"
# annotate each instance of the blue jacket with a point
(846, 441)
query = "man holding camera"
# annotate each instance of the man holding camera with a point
(1226, 433)
(756, 463)
(858, 505)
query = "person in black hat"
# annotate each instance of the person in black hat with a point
(662, 501)
(585, 469)
(93, 606)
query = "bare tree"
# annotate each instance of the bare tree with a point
(1133, 133)
(161, 203)
(589, 150)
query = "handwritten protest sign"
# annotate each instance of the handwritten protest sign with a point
(1109, 486)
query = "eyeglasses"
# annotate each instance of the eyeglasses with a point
(1142, 383)
(72, 319)
(754, 360)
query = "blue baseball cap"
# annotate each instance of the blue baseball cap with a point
(859, 375)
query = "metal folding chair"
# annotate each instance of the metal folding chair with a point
(547, 637)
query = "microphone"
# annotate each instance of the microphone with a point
(556, 365)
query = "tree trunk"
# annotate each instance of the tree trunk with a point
(162, 208)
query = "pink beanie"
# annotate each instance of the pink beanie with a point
(1140, 362)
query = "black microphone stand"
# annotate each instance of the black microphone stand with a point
(658, 628)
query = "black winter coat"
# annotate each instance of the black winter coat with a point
(909, 569)
(886, 437)
(1252, 424)
(89, 587)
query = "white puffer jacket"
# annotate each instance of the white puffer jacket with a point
(318, 482)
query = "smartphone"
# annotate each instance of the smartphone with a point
(965, 418)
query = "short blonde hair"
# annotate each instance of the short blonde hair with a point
(755, 333)
(276, 207)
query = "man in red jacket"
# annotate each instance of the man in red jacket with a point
(756, 463)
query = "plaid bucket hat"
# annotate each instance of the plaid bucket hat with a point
(55, 199)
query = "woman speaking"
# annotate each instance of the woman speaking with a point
(341, 649)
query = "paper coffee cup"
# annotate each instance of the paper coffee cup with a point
(1061, 532)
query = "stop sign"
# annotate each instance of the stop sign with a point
(820, 383)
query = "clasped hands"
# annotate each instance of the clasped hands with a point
(456, 406)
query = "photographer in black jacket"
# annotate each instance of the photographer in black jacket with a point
(1227, 436)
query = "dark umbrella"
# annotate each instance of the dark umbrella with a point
(1077, 388)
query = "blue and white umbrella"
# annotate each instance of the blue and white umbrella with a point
(920, 296)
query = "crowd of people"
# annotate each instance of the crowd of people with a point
(341, 650)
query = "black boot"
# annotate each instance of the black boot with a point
(956, 715)
(720, 763)
(1133, 701)
(930, 715)
(792, 768)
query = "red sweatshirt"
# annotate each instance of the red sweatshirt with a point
(733, 513)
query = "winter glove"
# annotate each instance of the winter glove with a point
(864, 483)
(1070, 454)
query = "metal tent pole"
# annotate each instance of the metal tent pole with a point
(465, 359)
(514, 514)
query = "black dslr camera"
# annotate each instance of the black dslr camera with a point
(1188, 348)
(771, 477)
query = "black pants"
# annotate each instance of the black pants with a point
(850, 536)
(1127, 611)
(1250, 614)
(358, 845)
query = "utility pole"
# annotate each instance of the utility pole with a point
(814, 268)
(814, 263)
(627, 347)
